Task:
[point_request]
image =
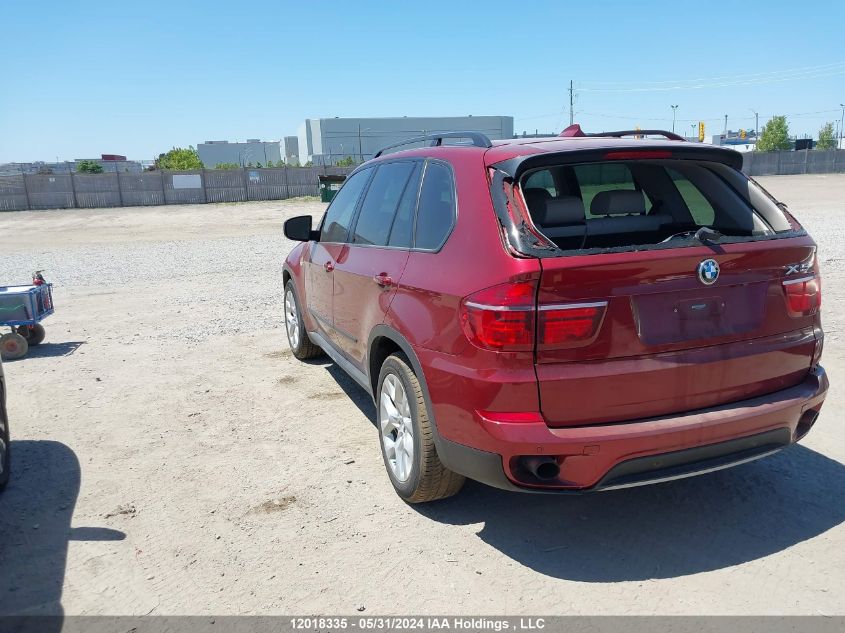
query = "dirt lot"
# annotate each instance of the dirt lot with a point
(171, 457)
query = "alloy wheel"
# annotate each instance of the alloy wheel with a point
(397, 430)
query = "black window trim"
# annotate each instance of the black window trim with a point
(448, 234)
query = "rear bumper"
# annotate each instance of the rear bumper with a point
(640, 452)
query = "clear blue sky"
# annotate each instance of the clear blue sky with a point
(136, 78)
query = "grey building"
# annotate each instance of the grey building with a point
(64, 167)
(326, 141)
(253, 151)
(292, 150)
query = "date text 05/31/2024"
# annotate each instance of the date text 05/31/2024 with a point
(398, 623)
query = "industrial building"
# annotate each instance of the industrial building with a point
(109, 163)
(326, 141)
(253, 151)
(292, 150)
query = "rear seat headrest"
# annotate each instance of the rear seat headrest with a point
(535, 198)
(563, 211)
(618, 202)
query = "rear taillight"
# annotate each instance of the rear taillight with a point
(803, 296)
(501, 318)
(504, 318)
(572, 323)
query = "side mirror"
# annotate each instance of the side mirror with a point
(299, 229)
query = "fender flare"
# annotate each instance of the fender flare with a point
(385, 331)
(465, 460)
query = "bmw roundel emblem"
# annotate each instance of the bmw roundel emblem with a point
(708, 272)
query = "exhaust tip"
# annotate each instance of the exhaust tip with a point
(806, 423)
(543, 468)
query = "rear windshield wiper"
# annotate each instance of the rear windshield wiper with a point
(706, 234)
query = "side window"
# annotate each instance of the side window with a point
(542, 179)
(402, 233)
(701, 210)
(340, 211)
(380, 202)
(596, 177)
(436, 210)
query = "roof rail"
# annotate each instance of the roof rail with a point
(669, 135)
(478, 140)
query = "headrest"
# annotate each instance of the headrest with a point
(618, 202)
(564, 210)
(535, 198)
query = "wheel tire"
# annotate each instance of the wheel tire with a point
(300, 344)
(12, 346)
(428, 479)
(34, 334)
(6, 462)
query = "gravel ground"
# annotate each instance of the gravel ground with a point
(171, 457)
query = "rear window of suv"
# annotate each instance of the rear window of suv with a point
(612, 204)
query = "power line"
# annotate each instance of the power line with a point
(726, 84)
(738, 77)
(720, 117)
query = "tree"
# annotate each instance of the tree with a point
(179, 159)
(89, 167)
(227, 166)
(309, 164)
(347, 162)
(826, 138)
(775, 135)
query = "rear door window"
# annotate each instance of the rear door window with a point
(342, 209)
(436, 210)
(380, 202)
(402, 232)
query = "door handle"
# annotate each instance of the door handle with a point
(383, 279)
(328, 266)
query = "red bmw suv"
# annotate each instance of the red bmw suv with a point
(564, 314)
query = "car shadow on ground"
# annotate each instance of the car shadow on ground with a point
(35, 528)
(355, 392)
(664, 530)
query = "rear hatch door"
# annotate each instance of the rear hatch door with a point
(669, 339)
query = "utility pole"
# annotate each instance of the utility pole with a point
(756, 127)
(841, 121)
(726, 126)
(674, 109)
(571, 103)
(360, 151)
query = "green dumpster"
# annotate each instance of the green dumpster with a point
(329, 186)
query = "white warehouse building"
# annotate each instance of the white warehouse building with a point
(326, 141)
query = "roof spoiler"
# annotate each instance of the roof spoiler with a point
(575, 130)
(477, 138)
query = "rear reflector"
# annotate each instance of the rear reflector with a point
(638, 155)
(803, 296)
